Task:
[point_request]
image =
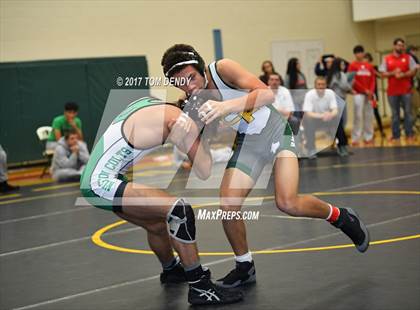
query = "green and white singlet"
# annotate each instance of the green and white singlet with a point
(112, 156)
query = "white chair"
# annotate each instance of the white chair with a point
(43, 133)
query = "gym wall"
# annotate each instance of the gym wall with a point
(32, 30)
(387, 30)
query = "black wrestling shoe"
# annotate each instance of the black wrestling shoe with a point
(243, 273)
(350, 224)
(342, 151)
(7, 188)
(205, 292)
(177, 275)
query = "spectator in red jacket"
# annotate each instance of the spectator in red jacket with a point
(363, 90)
(399, 68)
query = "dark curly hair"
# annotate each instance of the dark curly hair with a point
(179, 53)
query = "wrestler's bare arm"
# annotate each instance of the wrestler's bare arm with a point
(240, 78)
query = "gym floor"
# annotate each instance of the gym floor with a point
(55, 255)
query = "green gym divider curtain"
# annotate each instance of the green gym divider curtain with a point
(33, 93)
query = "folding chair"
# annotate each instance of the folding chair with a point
(43, 133)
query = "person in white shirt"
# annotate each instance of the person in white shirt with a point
(283, 101)
(321, 109)
(282, 98)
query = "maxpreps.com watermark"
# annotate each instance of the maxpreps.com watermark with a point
(130, 81)
(217, 215)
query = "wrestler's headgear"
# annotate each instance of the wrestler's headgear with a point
(178, 57)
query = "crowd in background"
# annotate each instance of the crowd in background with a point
(359, 78)
(307, 110)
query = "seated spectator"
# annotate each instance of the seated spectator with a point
(65, 123)
(283, 101)
(324, 64)
(267, 69)
(321, 110)
(70, 158)
(5, 187)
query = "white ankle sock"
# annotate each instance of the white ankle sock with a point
(247, 257)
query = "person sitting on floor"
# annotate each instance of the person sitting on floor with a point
(70, 158)
(321, 113)
(5, 187)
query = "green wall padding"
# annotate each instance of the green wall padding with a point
(33, 93)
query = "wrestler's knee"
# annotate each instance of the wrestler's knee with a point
(288, 204)
(181, 221)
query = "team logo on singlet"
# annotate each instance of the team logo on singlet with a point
(292, 141)
(274, 147)
(106, 177)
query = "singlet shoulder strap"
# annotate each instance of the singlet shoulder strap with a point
(216, 77)
(137, 105)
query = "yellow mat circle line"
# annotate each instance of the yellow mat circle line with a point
(97, 236)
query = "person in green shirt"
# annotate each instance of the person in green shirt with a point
(65, 123)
